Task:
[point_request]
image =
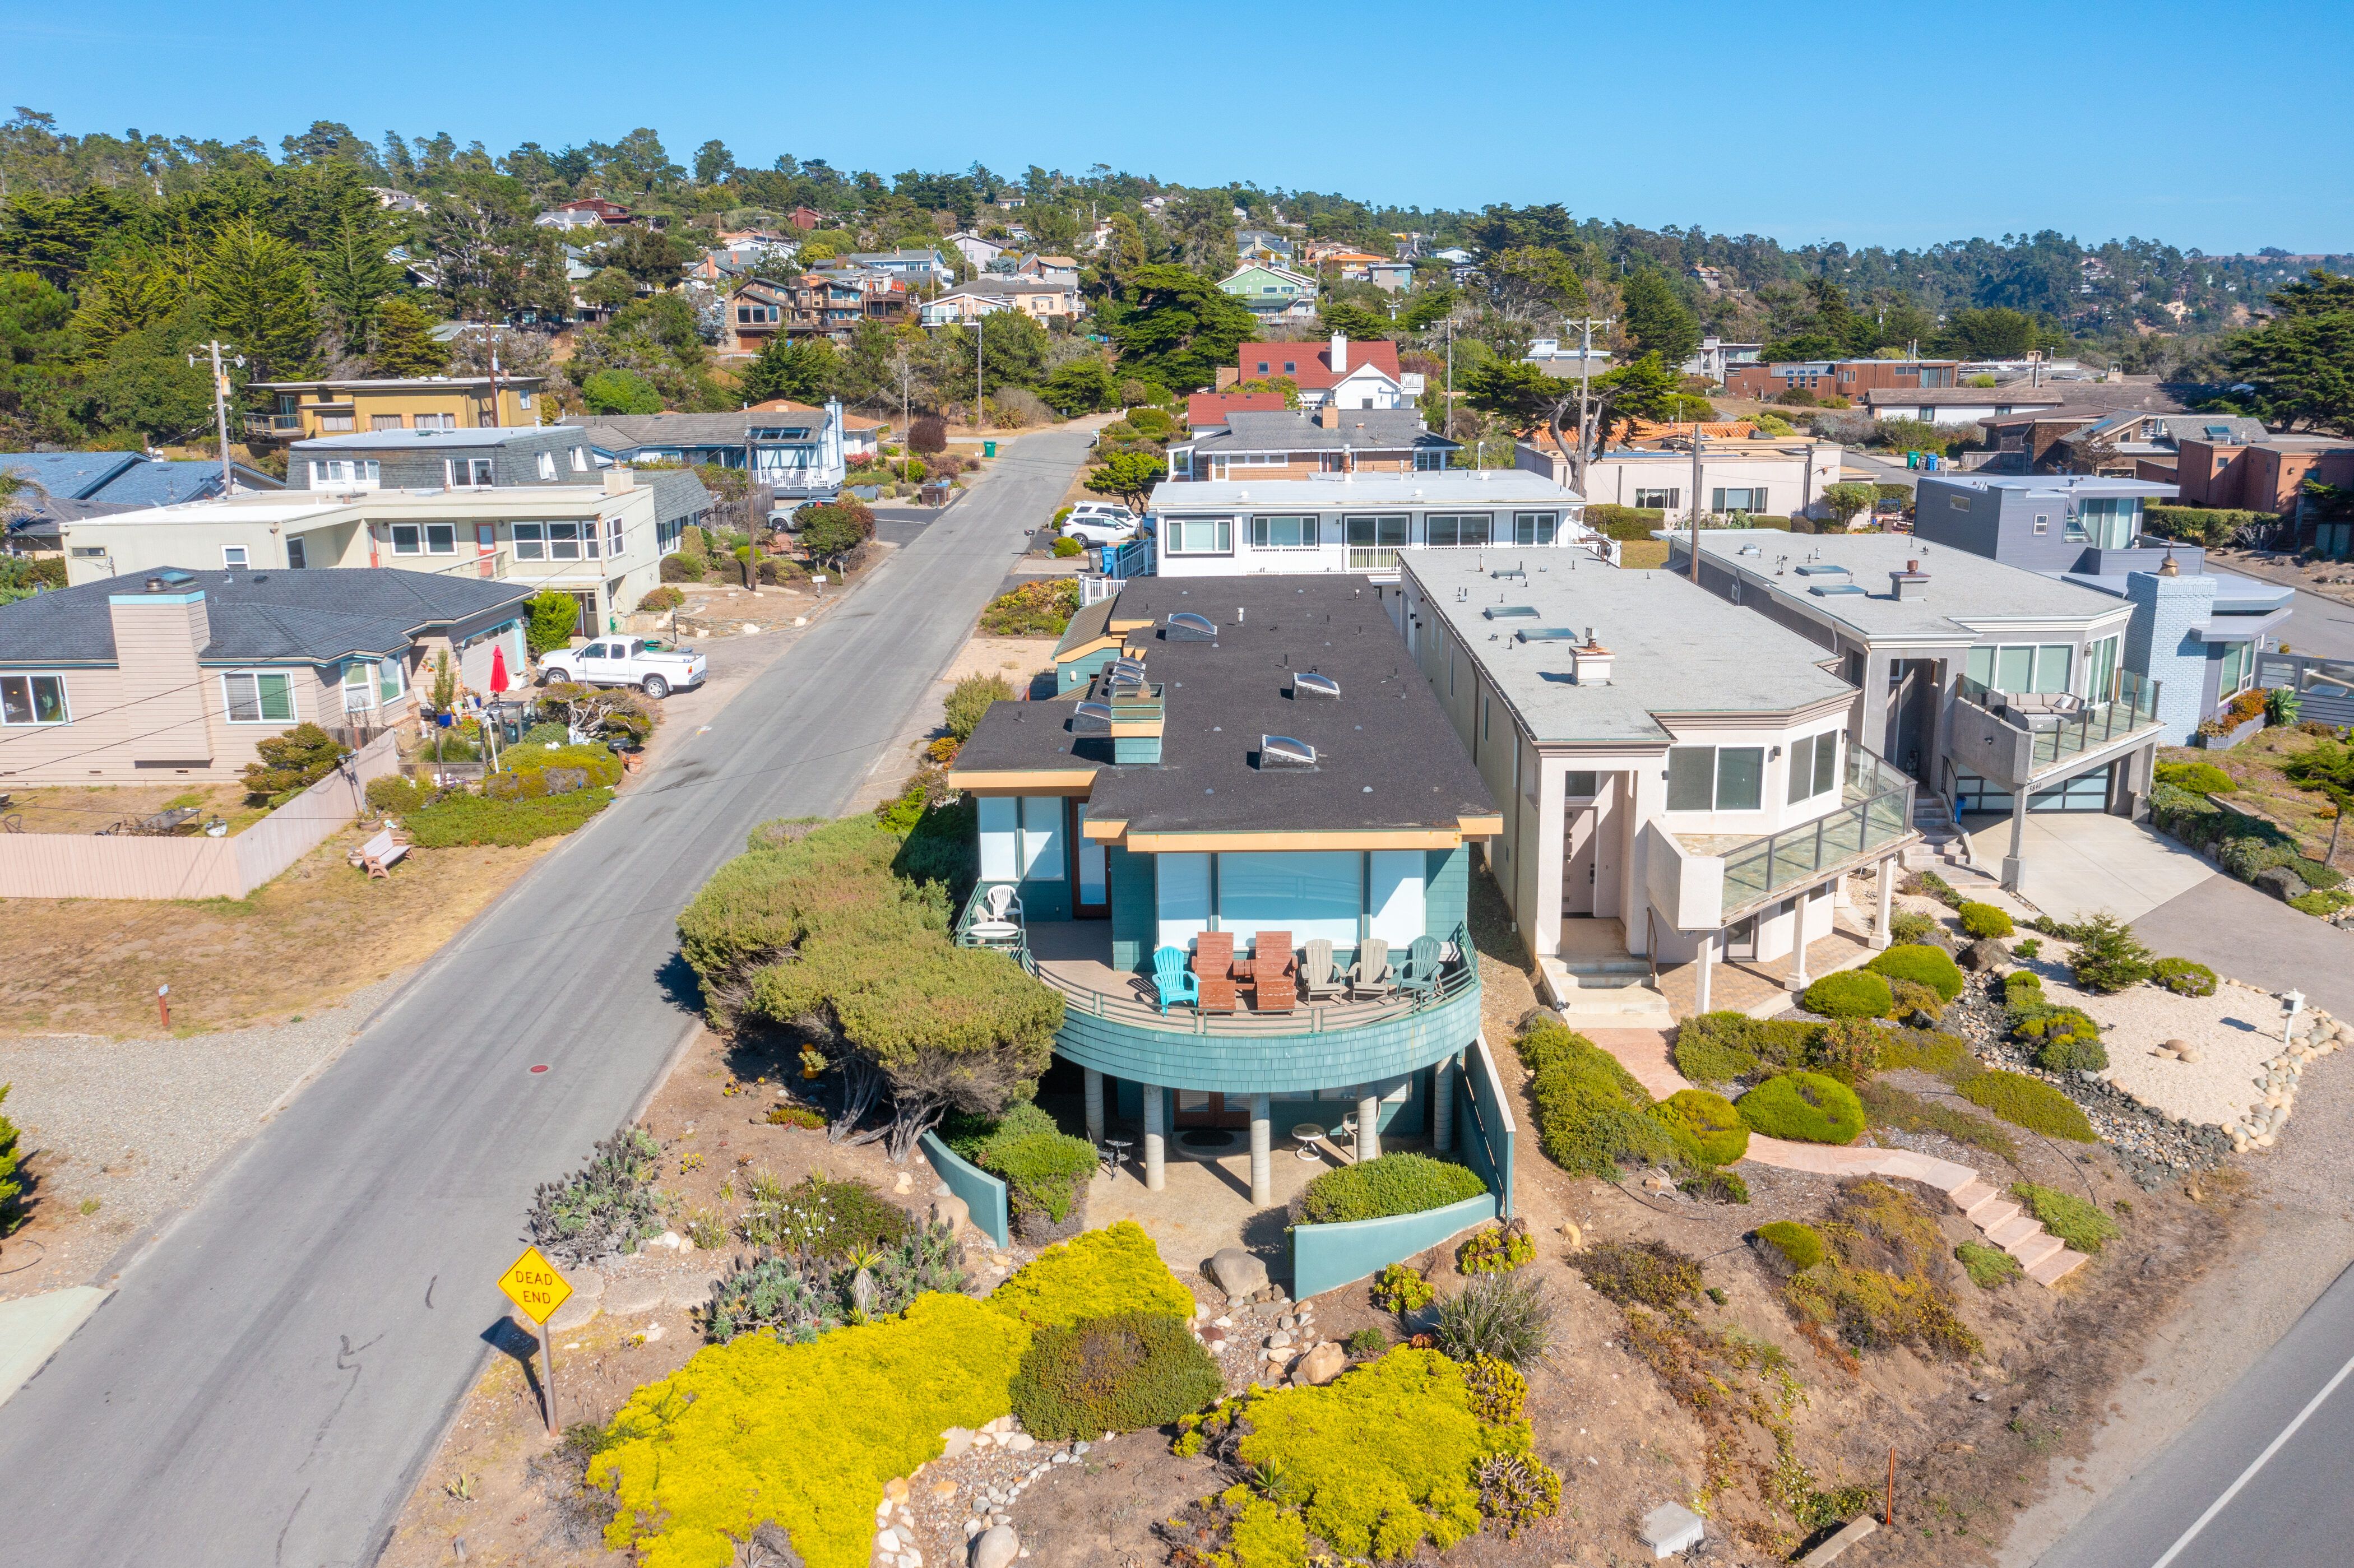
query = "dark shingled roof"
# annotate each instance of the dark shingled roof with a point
(1386, 756)
(259, 617)
(1375, 429)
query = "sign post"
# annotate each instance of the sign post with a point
(532, 1284)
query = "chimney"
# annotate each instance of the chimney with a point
(1340, 353)
(1910, 583)
(1590, 664)
(159, 634)
(621, 478)
(1328, 415)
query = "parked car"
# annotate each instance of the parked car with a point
(640, 661)
(1100, 522)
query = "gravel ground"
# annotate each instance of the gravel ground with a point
(2235, 1031)
(133, 1125)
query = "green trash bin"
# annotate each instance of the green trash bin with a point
(988, 449)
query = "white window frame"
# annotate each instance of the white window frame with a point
(440, 538)
(613, 535)
(530, 541)
(1263, 534)
(233, 556)
(581, 459)
(359, 686)
(298, 555)
(547, 465)
(229, 701)
(1655, 500)
(1173, 530)
(32, 705)
(414, 544)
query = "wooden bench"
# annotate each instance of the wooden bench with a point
(380, 852)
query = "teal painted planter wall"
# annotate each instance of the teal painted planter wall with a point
(1255, 1063)
(1325, 1257)
(984, 1194)
(1483, 1131)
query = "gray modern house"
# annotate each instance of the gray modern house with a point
(491, 457)
(1996, 688)
(2195, 632)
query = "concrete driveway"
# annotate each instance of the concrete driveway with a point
(2079, 862)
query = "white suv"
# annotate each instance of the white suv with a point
(1100, 522)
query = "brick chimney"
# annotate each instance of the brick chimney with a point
(159, 631)
(1339, 354)
(1329, 415)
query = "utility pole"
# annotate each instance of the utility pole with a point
(980, 320)
(1696, 439)
(220, 407)
(1585, 384)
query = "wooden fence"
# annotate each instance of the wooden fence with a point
(85, 866)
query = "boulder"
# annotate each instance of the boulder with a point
(1319, 1366)
(2281, 883)
(951, 1210)
(1983, 954)
(1237, 1272)
(957, 1443)
(997, 1547)
(1536, 1015)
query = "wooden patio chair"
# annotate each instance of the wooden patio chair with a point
(1319, 976)
(1171, 981)
(1371, 973)
(1273, 967)
(1213, 971)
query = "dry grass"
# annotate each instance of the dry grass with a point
(1643, 555)
(66, 808)
(320, 931)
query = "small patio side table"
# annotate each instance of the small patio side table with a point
(1120, 1148)
(1306, 1134)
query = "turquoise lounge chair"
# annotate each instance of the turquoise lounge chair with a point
(1172, 980)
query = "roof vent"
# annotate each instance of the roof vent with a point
(1312, 685)
(1091, 718)
(1590, 663)
(1187, 626)
(1280, 752)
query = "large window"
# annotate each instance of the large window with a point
(1198, 535)
(263, 696)
(1395, 902)
(1532, 528)
(2101, 669)
(1659, 500)
(468, 474)
(363, 472)
(1737, 499)
(1469, 528)
(1021, 839)
(1283, 533)
(425, 539)
(2021, 671)
(1042, 837)
(2105, 522)
(33, 699)
(1429, 462)
(1310, 894)
(1716, 778)
(1814, 766)
(359, 686)
(1181, 884)
(2238, 669)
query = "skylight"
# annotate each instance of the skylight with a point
(1282, 751)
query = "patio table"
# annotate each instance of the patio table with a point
(1306, 1135)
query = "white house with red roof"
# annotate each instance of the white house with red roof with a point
(1342, 374)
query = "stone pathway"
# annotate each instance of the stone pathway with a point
(1644, 1053)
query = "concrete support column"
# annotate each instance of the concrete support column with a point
(1796, 980)
(1442, 1106)
(1704, 966)
(1262, 1115)
(2015, 861)
(1156, 1138)
(1369, 1127)
(1884, 902)
(1095, 1106)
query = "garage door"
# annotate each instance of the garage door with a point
(2086, 792)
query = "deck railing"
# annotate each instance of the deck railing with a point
(1459, 973)
(2132, 706)
(1878, 812)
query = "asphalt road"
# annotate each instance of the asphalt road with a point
(2257, 1480)
(2318, 625)
(271, 1376)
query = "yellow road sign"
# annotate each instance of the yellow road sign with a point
(532, 1284)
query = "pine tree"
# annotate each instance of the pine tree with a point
(257, 295)
(403, 342)
(354, 277)
(12, 1186)
(1656, 319)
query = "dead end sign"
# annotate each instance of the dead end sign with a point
(532, 1284)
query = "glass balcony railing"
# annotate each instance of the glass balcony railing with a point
(1878, 812)
(2087, 725)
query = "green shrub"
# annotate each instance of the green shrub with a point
(1911, 927)
(1094, 1275)
(2027, 946)
(1040, 608)
(1876, 1286)
(1799, 1246)
(968, 701)
(1985, 921)
(545, 733)
(1066, 548)
(2313, 874)
(1714, 1048)
(1501, 1315)
(2109, 957)
(2022, 991)
(1115, 1374)
(2321, 902)
(2198, 777)
(1401, 1288)
(1988, 1268)
(1715, 1187)
(1923, 965)
(1640, 1274)
(657, 600)
(678, 568)
(605, 1208)
(1625, 522)
(1850, 993)
(1499, 1250)
(2072, 1219)
(2249, 855)
(1947, 1056)
(290, 763)
(1590, 1109)
(2065, 1039)
(479, 819)
(1044, 1170)
(1804, 1107)
(800, 1296)
(397, 794)
(2212, 526)
(820, 1218)
(2028, 1102)
(12, 1185)
(1850, 1049)
(1887, 1105)
(1364, 1342)
(1910, 999)
(1390, 1184)
(1709, 1119)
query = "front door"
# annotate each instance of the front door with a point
(1090, 890)
(1741, 939)
(1203, 1107)
(1577, 861)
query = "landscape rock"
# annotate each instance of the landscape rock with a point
(2281, 883)
(1983, 954)
(957, 1441)
(951, 1210)
(997, 1548)
(1237, 1272)
(1319, 1366)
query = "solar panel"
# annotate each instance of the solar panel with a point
(1283, 751)
(1314, 685)
(1184, 626)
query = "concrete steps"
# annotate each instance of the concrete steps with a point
(1606, 992)
(2002, 1221)
(2057, 1268)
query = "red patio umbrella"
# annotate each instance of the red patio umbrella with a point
(499, 681)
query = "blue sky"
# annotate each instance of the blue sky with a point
(1867, 123)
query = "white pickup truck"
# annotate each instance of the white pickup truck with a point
(640, 661)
